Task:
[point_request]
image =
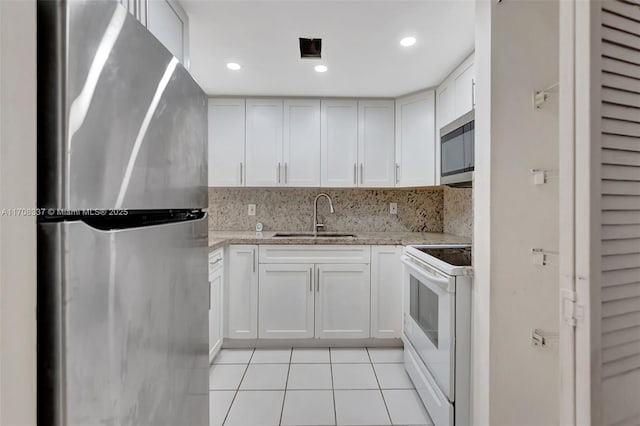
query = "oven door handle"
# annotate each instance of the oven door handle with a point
(434, 282)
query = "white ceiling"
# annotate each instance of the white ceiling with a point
(360, 45)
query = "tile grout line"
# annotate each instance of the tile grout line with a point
(333, 390)
(286, 385)
(235, 395)
(379, 387)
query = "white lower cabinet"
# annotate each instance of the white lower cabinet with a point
(342, 301)
(286, 301)
(241, 292)
(216, 317)
(386, 292)
(323, 292)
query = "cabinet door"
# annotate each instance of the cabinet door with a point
(216, 283)
(264, 142)
(241, 292)
(415, 140)
(386, 292)
(445, 104)
(286, 301)
(170, 24)
(445, 114)
(301, 142)
(342, 301)
(339, 143)
(226, 142)
(464, 88)
(376, 143)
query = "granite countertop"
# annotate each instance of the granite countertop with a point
(219, 239)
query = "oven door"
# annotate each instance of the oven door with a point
(429, 320)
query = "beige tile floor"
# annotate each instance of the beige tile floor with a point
(297, 387)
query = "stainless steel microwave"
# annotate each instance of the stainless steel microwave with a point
(457, 151)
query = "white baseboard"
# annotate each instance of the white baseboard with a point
(309, 343)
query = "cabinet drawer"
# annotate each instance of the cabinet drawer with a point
(314, 254)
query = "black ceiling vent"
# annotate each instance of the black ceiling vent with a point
(310, 47)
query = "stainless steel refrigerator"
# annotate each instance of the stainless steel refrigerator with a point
(122, 242)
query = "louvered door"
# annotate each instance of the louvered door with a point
(620, 204)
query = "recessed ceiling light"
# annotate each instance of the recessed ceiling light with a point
(321, 68)
(233, 66)
(408, 41)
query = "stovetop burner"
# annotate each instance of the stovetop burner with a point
(452, 256)
(455, 256)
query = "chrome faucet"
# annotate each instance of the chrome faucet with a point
(317, 225)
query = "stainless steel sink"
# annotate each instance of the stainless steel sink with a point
(293, 234)
(311, 235)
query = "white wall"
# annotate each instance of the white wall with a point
(482, 220)
(515, 383)
(17, 234)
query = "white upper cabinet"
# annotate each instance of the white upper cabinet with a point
(170, 24)
(226, 142)
(301, 156)
(376, 143)
(445, 104)
(454, 98)
(456, 95)
(334, 143)
(415, 140)
(464, 83)
(264, 142)
(339, 143)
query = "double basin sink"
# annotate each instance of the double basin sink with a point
(312, 235)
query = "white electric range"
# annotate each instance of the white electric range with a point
(437, 328)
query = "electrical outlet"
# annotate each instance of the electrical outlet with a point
(252, 210)
(393, 208)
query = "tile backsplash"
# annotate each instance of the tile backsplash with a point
(436, 209)
(458, 211)
(356, 210)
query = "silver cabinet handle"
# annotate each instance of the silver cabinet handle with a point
(361, 173)
(473, 92)
(318, 280)
(254, 259)
(311, 280)
(278, 173)
(216, 262)
(286, 174)
(397, 173)
(209, 295)
(240, 173)
(355, 174)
